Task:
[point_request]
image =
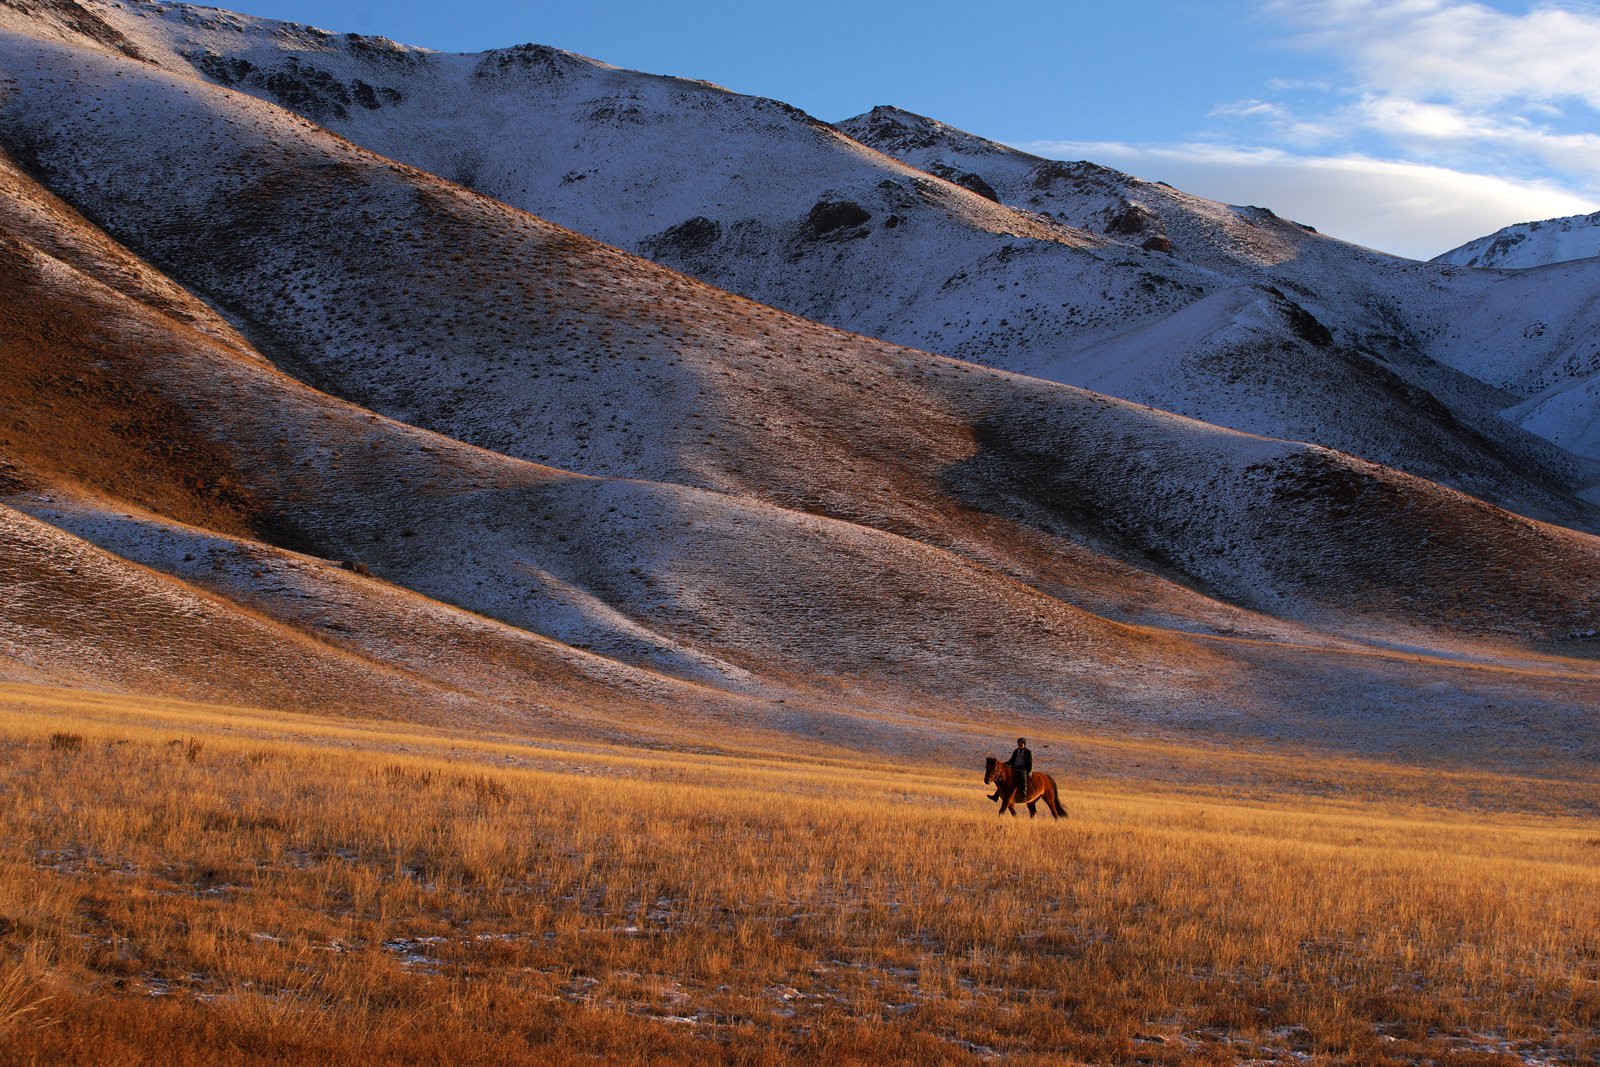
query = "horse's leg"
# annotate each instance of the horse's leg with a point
(1053, 804)
(1031, 811)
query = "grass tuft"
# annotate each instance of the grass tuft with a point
(60, 742)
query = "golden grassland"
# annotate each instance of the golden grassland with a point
(191, 885)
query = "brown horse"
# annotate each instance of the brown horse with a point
(1040, 787)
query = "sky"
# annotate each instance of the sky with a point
(1406, 125)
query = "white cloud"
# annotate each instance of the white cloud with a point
(1462, 52)
(1249, 109)
(1509, 139)
(1411, 209)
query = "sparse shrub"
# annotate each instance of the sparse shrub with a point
(401, 777)
(190, 748)
(66, 742)
(487, 792)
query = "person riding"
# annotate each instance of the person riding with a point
(1021, 764)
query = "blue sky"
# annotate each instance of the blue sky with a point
(1407, 125)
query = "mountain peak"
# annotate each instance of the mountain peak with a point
(1531, 244)
(896, 131)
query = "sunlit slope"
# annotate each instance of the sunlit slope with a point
(958, 245)
(73, 614)
(129, 426)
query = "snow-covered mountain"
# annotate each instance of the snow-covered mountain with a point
(1527, 338)
(1531, 244)
(898, 227)
(284, 420)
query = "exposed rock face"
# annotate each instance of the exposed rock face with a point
(300, 87)
(967, 180)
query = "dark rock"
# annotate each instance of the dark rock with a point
(311, 91)
(298, 86)
(971, 182)
(1081, 174)
(224, 70)
(687, 238)
(542, 61)
(381, 48)
(1305, 325)
(1157, 244)
(1130, 220)
(828, 216)
(373, 97)
(79, 18)
(979, 186)
(887, 129)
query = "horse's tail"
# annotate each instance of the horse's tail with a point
(1055, 798)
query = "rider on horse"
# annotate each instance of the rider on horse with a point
(1015, 783)
(1021, 763)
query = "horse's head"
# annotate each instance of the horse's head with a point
(990, 765)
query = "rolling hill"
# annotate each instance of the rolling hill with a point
(290, 421)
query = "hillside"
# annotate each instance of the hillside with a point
(960, 246)
(572, 487)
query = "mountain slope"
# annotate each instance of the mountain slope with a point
(760, 199)
(1531, 244)
(1123, 209)
(716, 573)
(1484, 345)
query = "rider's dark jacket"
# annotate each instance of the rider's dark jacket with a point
(1021, 759)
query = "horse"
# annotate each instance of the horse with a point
(1040, 787)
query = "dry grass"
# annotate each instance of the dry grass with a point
(186, 886)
